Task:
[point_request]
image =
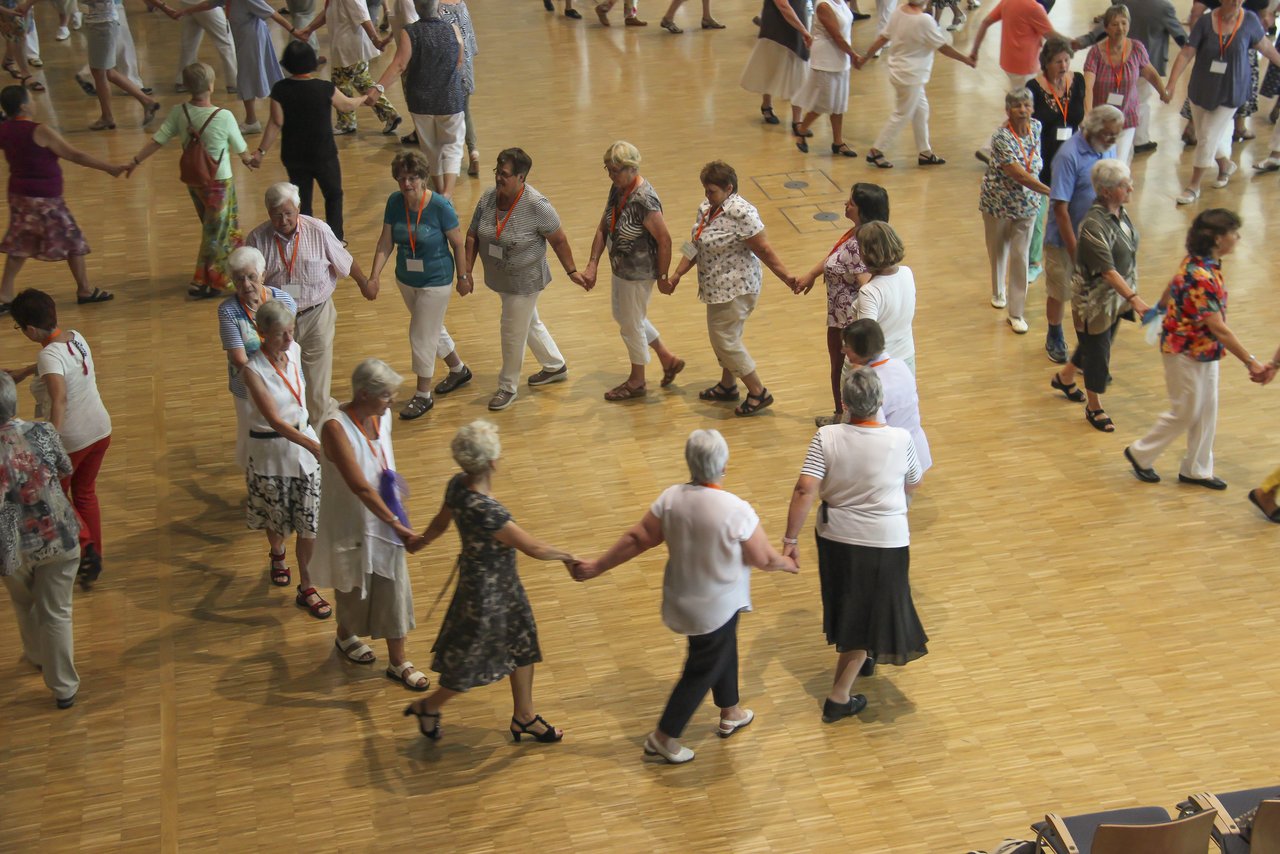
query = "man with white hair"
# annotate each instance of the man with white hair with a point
(305, 260)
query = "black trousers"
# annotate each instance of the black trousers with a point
(1093, 357)
(712, 665)
(328, 174)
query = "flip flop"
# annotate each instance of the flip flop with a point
(98, 295)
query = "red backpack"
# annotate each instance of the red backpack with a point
(196, 168)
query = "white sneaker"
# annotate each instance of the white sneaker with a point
(62, 35)
(247, 130)
(1224, 178)
(1188, 196)
(998, 302)
(77, 20)
(1019, 325)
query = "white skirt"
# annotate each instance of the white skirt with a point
(773, 70)
(825, 93)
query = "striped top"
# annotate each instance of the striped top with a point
(238, 333)
(515, 263)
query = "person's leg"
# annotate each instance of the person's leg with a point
(329, 176)
(920, 122)
(835, 352)
(837, 129)
(450, 133)
(1124, 146)
(1222, 152)
(848, 664)
(469, 134)
(315, 332)
(726, 340)
(304, 548)
(1146, 94)
(1019, 236)
(85, 465)
(215, 24)
(884, 9)
(1059, 270)
(51, 587)
(100, 77)
(81, 275)
(382, 108)
(1035, 252)
(1198, 461)
(127, 86)
(724, 687)
(522, 709)
(127, 63)
(1180, 381)
(997, 235)
(629, 299)
(1209, 128)
(543, 345)
(19, 584)
(250, 112)
(517, 317)
(904, 99)
(427, 307)
(695, 681)
(12, 266)
(190, 33)
(302, 176)
(343, 76)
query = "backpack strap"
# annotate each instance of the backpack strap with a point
(191, 125)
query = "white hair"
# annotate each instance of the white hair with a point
(1014, 97)
(427, 8)
(272, 315)
(244, 260)
(374, 377)
(8, 397)
(1099, 117)
(475, 446)
(707, 453)
(862, 393)
(278, 194)
(1108, 174)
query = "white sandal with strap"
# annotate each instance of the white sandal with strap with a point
(355, 650)
(409, 676)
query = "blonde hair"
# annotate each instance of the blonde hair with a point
(475, 446)
(198, 77)
(622, 155)
(880, 245)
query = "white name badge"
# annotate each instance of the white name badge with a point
(1116, 99)
(294, 291)
(1064, 134)
(689, 250)
(414, 265)
(1217, 67)
(495, 251)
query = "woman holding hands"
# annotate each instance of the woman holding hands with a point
(826, 89)
(1112, 71)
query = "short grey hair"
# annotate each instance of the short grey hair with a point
(1014, 97)
(862, 393)
(1099, 117)
(278, 194)
(8, 397)
(374, 377)
(272, 315)
(1108, 174)
(707, 453)
(244, 260)
(427, 8)
(475, 446)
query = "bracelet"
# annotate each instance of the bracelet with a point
(789, 541)
(571, 272)
(136, 162)
(663, 278)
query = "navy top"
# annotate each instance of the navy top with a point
(1230, 88)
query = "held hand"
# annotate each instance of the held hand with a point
(414, 543)
(368, 288)
(577, 278)
(808, 38)
(1140, 306)
(302, 35)
(1257, 371)
(248, 161)
(789, 565)
(1166, 96)
(466, 286)
(584, 570)
(669, 286)
(791, 551)
(1268, 377)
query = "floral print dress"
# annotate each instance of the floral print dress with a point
(488, 630)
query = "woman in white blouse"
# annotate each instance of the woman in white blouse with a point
(713, 539)
(283, 473)
(727, 244)
(826, 88)
(860, 470)
(889, 296)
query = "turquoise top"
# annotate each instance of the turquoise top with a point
(431, 245)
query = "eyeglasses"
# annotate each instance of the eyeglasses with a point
(498, 173)
(616, 170)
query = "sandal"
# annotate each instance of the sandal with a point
(409, 676)
(719, 392)
(355, 650)
(795, 129)
(98, 295)
(623, 391)
(669, 372)
(11, 67)
(1073, 394)
(670, 26)
(409, 139)
(102, 124)
(876, 159)
(728, 728)
(203, 292)
(279, 572)
(434, 732)
(712, 24)
(929, 159)
(843, 150)
(319, 609)
(549, 734)
(764, 400)
(1273, 516)
(33, 84)
(769, 117)
(1098, 420)
(417, 407)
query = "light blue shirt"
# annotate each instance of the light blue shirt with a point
(1072, 183)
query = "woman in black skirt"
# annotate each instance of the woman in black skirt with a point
(860, 471)
(488, 632)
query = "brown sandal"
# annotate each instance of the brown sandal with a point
(622, 391)
(669, 373)
(719, 392)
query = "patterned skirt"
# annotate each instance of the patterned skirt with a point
(42, 229)
(284, 505)
(220, 232)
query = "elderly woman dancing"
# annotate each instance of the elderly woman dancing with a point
(283, 471)
(889, 296)
(488, 633)
(861, 470)
(713, 539)
(1010, 202)
(1106, 289)
(1112, 71)
(727, 244)
(39, 552)
(639, 245)
(360, 538)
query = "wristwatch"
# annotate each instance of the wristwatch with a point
(381, 89)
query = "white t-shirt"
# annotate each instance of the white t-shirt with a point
(349, 43)
(891, 301)
(400, 14)
(863, 471)
(913, 40)
(706, 580)
(825, 55)
(902, 404)
(86, 420)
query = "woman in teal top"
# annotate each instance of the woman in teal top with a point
(423, 228)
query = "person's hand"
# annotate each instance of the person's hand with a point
(371, 96)
(1139, 305)
(247, 160)
(119, 169)
(314, 447)
(174, 14)
(805, 283)
(1166, 96)
(467, 285)
(589, 274)
(791, 551)
(857, 60)
(584, 570)
(577, 278)
(808, 38)
(1257, 371)
(1268, 377)
(381, 44)
(302, 35)
(368, 288)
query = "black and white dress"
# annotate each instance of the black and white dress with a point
(779, 61)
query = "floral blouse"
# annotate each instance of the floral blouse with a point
(1196, 292)
(1120, 80)
(841, 271)
(727, 268)
(1002, 196)
(36, 519)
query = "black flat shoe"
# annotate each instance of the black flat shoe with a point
(868, 667)
(769, 117)
(1273, 516)
(434, 732)
(1207, 482)
(795, 129)
(832, 712)
(573, 14)
(65, 702)
(1144, 475)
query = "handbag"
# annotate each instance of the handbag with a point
(196, 168)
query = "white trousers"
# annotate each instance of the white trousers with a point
(1007, 244)
(725, 322)
(64, 7)
(441, 140)
(314, 331)
(884, 10)
(1213, 134)
(213, 22)
(428, 339)
(1124, 145)
(520, 326)
(909, 105)
(126, 53)
(42, 601)
(1146, 97)
(1193, 409)
(630, 309)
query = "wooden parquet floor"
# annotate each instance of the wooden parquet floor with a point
(1095, 642)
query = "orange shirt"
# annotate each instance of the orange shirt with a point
(1024, 26)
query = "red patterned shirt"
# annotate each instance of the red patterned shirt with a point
(1197, 292)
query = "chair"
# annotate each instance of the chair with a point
(1265, 836)
(1136, 830)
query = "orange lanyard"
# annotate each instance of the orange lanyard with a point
(879, 363)
(296, 392)
(1222, 46)
(842, 241)
(703, 223)
(1062, 105)
(712, 486)
(866, 424)
(413, 239)
(52, 335)
(375, 450)
(499, 226)
(617, 212)
(1117, 68)
(1026, 158)
(288, 265)
(250, 314)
